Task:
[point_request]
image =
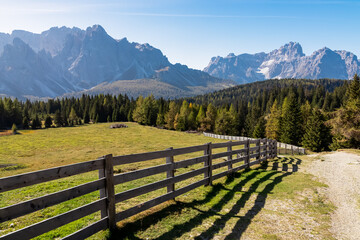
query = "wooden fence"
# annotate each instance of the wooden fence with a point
(283, 148)
(247, 153)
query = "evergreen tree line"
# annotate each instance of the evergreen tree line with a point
(306, 113)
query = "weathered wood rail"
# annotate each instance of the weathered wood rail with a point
(245, 155)
(283, 148)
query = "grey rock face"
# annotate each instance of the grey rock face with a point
(288, 61)
(63, 60)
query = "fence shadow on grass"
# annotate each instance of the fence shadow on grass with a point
(272, 172)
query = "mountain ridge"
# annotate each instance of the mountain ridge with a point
(288, 61)
(80, 60)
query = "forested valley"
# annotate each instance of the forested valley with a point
(317, 114)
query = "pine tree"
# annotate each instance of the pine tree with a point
(170, 116)
(210, 117)
(58, 119)
(25, 122)
(317, 135)
(160, 120)
(346, 120)
(86, 117)
(259, 130)
(291, 121)
(182, 118)
(201, 119)
(272, 128)
(48, 122)
(354, 88)
(36, 123)
(223, 123)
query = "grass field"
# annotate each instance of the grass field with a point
(233, 207)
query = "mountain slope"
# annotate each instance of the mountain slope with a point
(64, 60)
(288, 61)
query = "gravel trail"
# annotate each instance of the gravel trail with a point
(341, 171)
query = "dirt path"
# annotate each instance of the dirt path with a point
(341, 171)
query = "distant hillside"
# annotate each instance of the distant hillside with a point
(251, 91)
(288, 61)
(64, 60)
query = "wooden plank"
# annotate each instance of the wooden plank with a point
(156, 201)
(20, 209)
(254, 162)
(130, 176)
(170, 173)
(236, 160)
(188, 162)
(179, 151)
(89, 230)
(254, 141)
(240, 167)
(253, 149)
(220, 165)
(239, 151)
(139, 157)
(156, 185)
(222, 154)
(110, 191)
(263, 147)
(28, 179)
(254, 155)
(238, 143)
(221, 145)
(263, 159)
(222, 174)
(55, 222)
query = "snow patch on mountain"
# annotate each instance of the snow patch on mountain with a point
(288, 61)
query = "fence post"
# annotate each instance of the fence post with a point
(229, 158)
(258, 144)
(247, 160)
(208, 164)
(266, 149)
(110, 191)
(102, 190)
(292, 150)
(170, 173)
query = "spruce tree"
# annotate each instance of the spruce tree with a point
(354, 88)
(291, 121)
(48, 122)
(210, 117)
(272, 128)
(170, 116)
(317, 135)
(200, 119)
(58, 119)
(259, 130)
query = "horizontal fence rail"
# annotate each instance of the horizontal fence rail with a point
(283, 148)
(246, 152)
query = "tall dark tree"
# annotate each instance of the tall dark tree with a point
(317, 135)
(48, 121)
(291, 122)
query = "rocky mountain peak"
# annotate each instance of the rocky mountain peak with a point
(288, 61)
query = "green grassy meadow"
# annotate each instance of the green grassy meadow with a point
(232, 207)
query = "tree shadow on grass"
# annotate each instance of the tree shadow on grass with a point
(274, 177)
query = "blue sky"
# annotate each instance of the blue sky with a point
(191, 31)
